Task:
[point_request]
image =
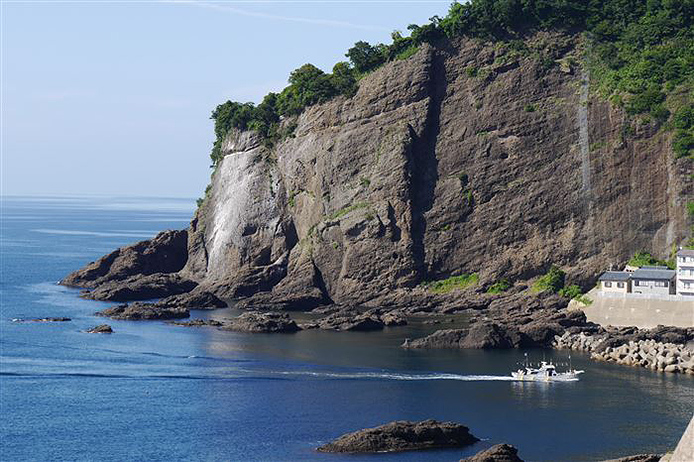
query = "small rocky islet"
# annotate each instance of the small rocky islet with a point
(403, 436)
(101, 329)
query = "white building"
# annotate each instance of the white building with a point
(616, 282)
(685, 272)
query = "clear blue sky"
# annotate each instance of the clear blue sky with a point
(115, 97)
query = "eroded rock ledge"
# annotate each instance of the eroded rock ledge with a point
(167, 252)
(174, 307)
(256, 322)
(403, 436)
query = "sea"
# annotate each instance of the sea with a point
(156, 391)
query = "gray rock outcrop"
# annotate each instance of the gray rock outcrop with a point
(165, 253)
(139, 311)
(266, 323)
(403, 436)
(101, 329)
(509, 326)
(497, 453)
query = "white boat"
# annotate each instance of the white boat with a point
(547, 372)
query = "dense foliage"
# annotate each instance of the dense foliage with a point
(444, 286)
(552, 281)
(498, 287)
(641, 56)
(646, 259)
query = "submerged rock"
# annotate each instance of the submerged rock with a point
(403, 436)
(101, 329)
(199, 322)
(42, 320)
(497, 453)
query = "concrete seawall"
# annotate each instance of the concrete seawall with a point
(685, 449)
(639, 312)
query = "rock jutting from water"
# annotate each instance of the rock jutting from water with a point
(403, 436)
(139, 311)
(173, 307)
(349, 318)
(257, 322)
(101, 329)
(497, 453)
(512, 327)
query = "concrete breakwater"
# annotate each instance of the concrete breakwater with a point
(649, 353)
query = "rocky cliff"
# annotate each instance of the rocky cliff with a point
(460, 159)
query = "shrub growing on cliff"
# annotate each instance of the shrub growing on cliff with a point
(552, 281)
(574, 292)
(646, 259)
(444, 286)
(498, 287)
(682, 143)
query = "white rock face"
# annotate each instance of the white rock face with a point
(244, 212)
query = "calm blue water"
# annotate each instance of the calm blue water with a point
(153, 391)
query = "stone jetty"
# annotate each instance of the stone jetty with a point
(649, 353)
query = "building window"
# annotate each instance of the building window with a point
(637, 283)
(607, 284)
(687, 285)
(620, 285)
(660, 283)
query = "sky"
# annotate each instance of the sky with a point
(114, 97)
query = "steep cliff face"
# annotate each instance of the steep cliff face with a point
(464, 159)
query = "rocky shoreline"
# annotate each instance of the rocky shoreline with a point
(517, 318)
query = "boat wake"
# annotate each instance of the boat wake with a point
(400, 376)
